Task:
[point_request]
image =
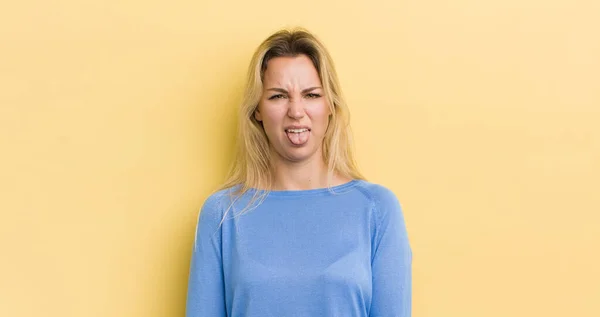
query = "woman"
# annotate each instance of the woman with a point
(296, 230)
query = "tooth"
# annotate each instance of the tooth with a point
(297, 130)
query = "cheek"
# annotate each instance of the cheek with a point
(319, 115)
(272, 117)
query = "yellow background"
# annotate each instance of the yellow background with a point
(117, 121)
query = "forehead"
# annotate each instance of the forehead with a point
(288, 70)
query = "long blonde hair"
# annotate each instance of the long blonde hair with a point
(252, 167)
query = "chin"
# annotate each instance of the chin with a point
(297, 154)
(297, 157)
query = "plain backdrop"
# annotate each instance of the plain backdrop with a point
(117, 120)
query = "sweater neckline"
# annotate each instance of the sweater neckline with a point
(333, 190)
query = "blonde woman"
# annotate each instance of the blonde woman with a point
(296, 230)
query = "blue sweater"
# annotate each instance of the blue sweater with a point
(302, 253)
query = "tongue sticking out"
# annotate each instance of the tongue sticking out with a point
(298, 138)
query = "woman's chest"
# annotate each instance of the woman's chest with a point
(316, 253)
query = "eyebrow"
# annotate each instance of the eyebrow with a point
(285, 91)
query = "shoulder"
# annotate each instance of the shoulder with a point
(216, 199)
(379, 195)
(387, 211)
(213, 208)
(385, 205)
(211, 215)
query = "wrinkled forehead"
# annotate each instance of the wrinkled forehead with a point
(290, 72)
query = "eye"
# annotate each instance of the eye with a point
(312, 95)
(278, 96)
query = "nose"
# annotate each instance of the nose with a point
(295, 109)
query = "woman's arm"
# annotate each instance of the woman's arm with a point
(391, 263)
(206, 292)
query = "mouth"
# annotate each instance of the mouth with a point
(298, 136)
(299, 130)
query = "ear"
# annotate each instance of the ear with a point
(257, 115)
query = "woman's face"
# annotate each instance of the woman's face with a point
(293, 108)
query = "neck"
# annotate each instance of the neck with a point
(309, 174)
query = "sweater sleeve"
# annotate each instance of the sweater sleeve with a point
(206, 292)
(391, 263)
